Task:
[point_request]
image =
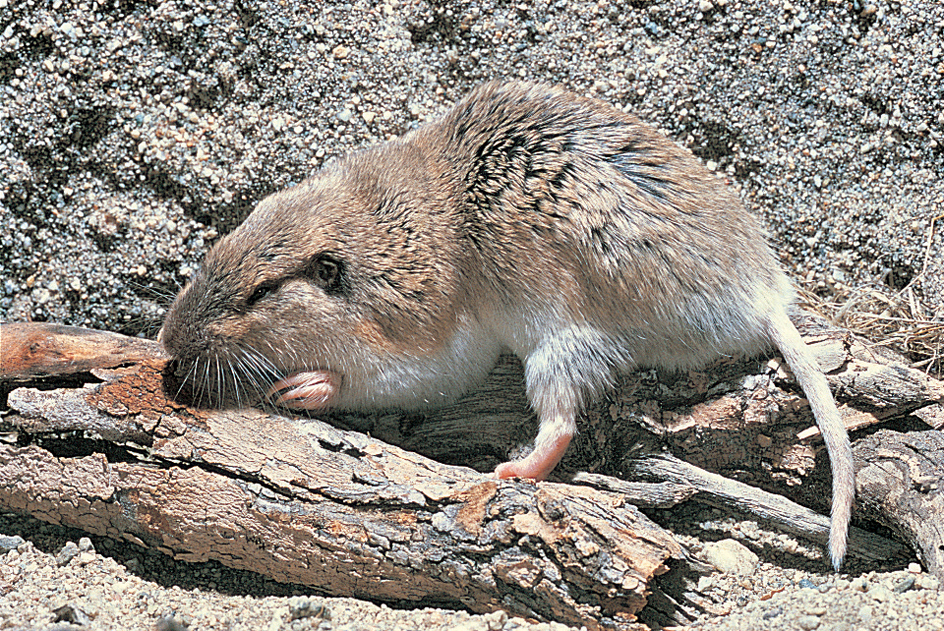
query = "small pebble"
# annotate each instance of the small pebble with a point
(67, 553)
(303, 607)
(8, 543)
(71, 614)
(730, 556)
(808, 622)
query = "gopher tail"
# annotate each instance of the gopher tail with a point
(810, 377)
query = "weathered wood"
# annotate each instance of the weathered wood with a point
(301, 500)
(542, 551)
(901, 484)
(32, 350)
(775, 509)
(641, 494)
(747, 420)
(305, 502)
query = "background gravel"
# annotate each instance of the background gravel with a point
(133, 134)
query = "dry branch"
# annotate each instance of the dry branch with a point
(901, 484)
(304, 501)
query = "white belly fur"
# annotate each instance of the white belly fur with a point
(421, 381)
(563, 358)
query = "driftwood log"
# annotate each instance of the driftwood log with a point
(379, 506)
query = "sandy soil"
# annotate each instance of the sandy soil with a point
(133, 134)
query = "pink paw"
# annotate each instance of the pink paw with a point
(515, 469)
(538, 465)
(306, 390)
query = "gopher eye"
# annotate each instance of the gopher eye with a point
(327, 272)
(261, 292)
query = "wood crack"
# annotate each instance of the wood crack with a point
(394, 513)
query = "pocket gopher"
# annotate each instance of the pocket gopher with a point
(526, 218)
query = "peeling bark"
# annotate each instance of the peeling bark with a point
(302, 501)
(901, 484)
(305, 501)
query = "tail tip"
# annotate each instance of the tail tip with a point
(837, 549)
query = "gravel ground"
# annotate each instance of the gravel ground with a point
(133, 134)
(766, 580)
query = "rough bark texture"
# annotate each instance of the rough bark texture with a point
(305, 501)
(901, 484)
(302, 501)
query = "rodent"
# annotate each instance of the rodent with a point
(526, 218)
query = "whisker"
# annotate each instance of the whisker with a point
(259, 369)
(253, 369)
(205, 386)
(186, 378)
(219, 382)
(236, 389)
